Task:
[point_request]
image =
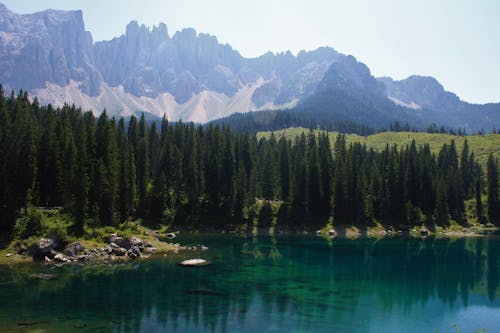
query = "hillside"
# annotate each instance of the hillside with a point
(481, 145)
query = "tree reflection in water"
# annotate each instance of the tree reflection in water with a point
(263, 283)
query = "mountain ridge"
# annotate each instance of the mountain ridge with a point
(193, 77)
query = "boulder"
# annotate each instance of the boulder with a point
(119, 251)
(8, 255)
(132, 255)
(148, 244)
(44, 248)
(117, 241)
(318, 232)
(332, 232)
(60, 258)
(134, 251)
(424, 232)
(151, 249)
(195, 262)
(126, 243)
(22, 249)
(171, 235)
(137, 242)
(73, 249)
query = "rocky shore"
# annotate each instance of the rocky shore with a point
(50, 250)
(114, 248)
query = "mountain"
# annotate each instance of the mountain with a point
(188, 76)
(349, 92)
(50, 46)
(427, 96)
(193, 77)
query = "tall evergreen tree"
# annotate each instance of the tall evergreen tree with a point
(493, 199)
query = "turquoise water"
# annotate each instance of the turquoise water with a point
(266, 284)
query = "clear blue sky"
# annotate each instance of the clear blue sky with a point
(456, 41)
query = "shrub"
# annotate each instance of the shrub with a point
(30, 224)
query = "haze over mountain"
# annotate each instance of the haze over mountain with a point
(193, 77)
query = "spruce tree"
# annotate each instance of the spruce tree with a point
(493, 199)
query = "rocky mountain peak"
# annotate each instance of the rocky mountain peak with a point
(348, 73)
(160, 31)
(185, 35)
(424, 91)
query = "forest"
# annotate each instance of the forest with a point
(102, 171)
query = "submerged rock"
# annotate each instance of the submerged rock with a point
(27, 323)
(205, 292)
(195, 262)
(46, 276)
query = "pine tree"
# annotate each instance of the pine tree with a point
(143, 167)
(493, 199)
(315, 185)
(442, 216)
(466, 170)
(82, 180)
(285, 169)
(478, 192)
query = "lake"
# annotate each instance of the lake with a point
(269, 284)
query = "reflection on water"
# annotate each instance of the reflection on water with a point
(284, 284)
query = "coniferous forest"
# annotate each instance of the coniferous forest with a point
(103, 171)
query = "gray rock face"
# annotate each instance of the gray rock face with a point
(148, 62)
(50, 46)
(425, 91)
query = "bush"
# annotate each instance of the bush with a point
(30, 224)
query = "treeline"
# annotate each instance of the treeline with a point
(104, 171)
(272, 120)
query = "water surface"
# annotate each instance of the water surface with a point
(269, 284)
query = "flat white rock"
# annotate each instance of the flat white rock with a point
(195, 262)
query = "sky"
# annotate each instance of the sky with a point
(455, 41)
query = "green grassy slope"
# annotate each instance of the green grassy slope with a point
(482, 145)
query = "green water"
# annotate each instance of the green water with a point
(265, 284)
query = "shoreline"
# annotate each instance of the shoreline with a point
(10, 256)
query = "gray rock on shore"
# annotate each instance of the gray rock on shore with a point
(44, 248)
